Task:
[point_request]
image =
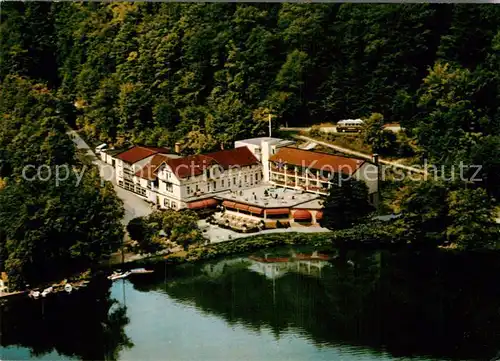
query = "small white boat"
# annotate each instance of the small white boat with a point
(47, 291)
(118, 275)
(140, 271)
(68, 288)
(35, 294)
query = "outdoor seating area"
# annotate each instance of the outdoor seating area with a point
(241, 224)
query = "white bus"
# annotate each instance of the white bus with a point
(350, 125)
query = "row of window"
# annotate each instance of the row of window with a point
(129, 186)
(169, 204)
(141, 191)
(212, 186)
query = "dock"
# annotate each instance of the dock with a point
(6, 295)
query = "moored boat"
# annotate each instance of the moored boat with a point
(47, 291)
(140, 271)
(118, 275)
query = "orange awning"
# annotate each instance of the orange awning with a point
(302, 215)
(241, 207)
(276, 211)
(319, 215)
(228, 204)
(202, 204)
(255, 210)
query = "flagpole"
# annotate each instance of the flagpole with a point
(269, 125)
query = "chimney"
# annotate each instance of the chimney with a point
(177, 148)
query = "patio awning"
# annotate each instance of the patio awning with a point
(241, 207)
(228, 204)
(276, 211)
(202, 204)
(255, 210)
(302, 215)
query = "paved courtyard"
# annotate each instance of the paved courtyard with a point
(276, 197)
(216, 234)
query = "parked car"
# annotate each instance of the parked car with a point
(100, 147)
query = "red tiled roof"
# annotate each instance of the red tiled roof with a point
(317, 160)
(192, 165)
(150, 170)
(137, 153)
(241, 156)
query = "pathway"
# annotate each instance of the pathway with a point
(393, 127)
(362, 155)
(134, 206)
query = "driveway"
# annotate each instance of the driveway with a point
(134, 206)
(363, 155)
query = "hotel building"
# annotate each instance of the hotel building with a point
(257, 183)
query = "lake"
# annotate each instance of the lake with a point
(282, 305)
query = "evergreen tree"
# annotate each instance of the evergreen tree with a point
(346, 205)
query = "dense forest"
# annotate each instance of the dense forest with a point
(50, 227)
(207, 74)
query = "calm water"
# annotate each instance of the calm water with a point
(380, 306)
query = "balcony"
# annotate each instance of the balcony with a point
(320, 190)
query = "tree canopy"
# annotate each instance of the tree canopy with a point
(346, 205)
(436, 213)
(206, 75)
(151, 232)
(51, 224)
(160, 73)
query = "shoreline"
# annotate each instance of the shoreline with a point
(330, 242)
(76, 281)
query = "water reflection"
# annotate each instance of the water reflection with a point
(439, 304)
(85, 325)
(281, 305)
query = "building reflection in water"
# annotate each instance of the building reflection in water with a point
(274, 267)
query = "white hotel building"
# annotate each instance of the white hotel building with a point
(237, 178)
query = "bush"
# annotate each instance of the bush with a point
(385, 143)
(316, 131)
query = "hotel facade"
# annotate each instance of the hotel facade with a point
(257, 183)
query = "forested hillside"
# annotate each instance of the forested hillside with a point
(207, 74)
